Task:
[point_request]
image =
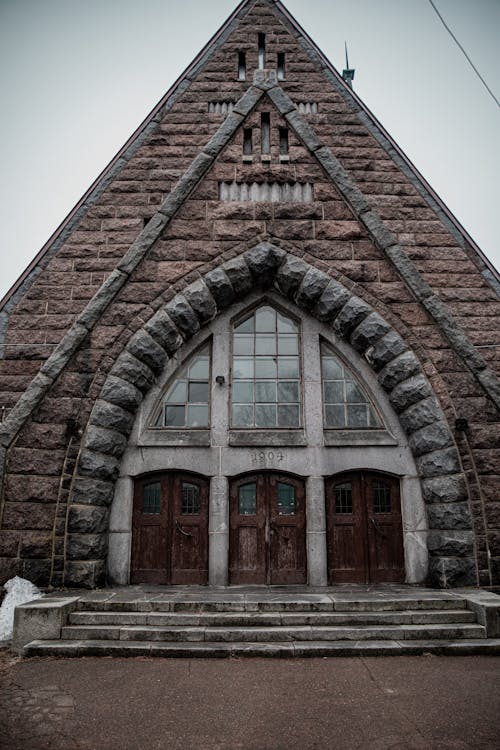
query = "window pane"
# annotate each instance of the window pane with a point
(198, 393)
(244, 344)
(288, 344)
(245, 327)
(343, 498)
(374, 421)
(243, 392)
(243, 367)
(174, 416)
(197, 416)
(288, 367)
(288, 391)
(265, 415)
(199, 369)
(265, 320)
(331, 368)
(247, 500)
(354, 395)
(285, 325)
(288, 416)
(357, 415)
(265, 343)
(151, 499)
(190, 499)
(177, 394)
(335, 416)
(242, 415)
(265, 367)
(334, 392)
(381, 497)
(286, 499)
(265, 390)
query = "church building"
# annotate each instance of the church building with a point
(258, 351)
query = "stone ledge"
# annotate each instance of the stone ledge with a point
(41, 619)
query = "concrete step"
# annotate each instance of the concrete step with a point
(448, 631)
(99, 647)
(206, 619)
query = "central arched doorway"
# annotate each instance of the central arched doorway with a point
(267, 540)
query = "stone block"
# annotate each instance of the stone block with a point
(248, 101)
(37, 571)
(98, 465)
(447, 572)
(100, 301)
(36, 544)
(348, 189)
(41, 619)
(409, 392)
(449, 489)
(420, 415)
(86, 546)
(134, 371)
(88, 519)
(350, 316)
(163, 330)
(313, 285)
(376, 227)
(431, 438)
(450, 543)
(389, 346)
(290, 275)
(220, 287)
(85, 574)
(239, 275)
(368, 332)
(183, 316)
(398, 369)
(439, 462)
(100, 439)
(121, 393)
(449, 516)
(63, 352)
(303, 130)
(487, 608)
(224, 134)
(332, 301)
(145, 348)
(88, 491)
(112, 417)
(265, 78)
(263, 261)
(200, 299)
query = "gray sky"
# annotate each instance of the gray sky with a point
(77, 78)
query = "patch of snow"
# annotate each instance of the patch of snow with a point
(19, 591)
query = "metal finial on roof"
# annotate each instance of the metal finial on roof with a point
(347, 73)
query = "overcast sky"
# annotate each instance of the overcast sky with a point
(77, 78)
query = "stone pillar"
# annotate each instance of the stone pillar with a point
(316, 532)
(218, 532)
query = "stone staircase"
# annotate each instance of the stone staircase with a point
(268, 624)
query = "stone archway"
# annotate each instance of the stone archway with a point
(398, 370)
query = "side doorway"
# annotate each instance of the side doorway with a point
(170, 530)
(365, 535)
(267, 542)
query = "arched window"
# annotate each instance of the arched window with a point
(266, 390)
(345, 403)
(187, 399)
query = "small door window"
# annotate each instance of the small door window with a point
(247, 501)
(343, 498)
(381, 497)
(151, 499)
(190, 499)
(286, 499)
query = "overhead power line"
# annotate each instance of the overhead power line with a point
(476, 71)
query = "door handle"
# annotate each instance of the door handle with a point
(377, 528)
(181, 530)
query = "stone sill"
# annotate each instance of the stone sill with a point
(152, 438)
(272, 438)
(353, 438)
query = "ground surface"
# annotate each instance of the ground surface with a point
(399, 703)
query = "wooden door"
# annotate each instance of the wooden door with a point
(267, 535)
(170, 530)
(365, 538)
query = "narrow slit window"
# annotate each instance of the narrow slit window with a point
(284, 141)
(242, 66)
(262, 51)
(265, 133)
(281, 66)
(247, 142)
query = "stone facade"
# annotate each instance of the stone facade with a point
(157, 250)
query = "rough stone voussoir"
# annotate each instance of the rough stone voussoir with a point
(431, 438)
(263, 261)
(112, 417)
(303, 130)
(444, 543)
(98, 465)
(121, 393)
(437, 463)
(410, 392)
(91, 491)
(144, 347)
(200, 298)
(333, 299)
(183, 316)
(290, 275)
(313, 285)
(400, 368)
(350, 316)
(220, 287)
(86, 547)
(368, 332)
(447, 489)
(451, 516)
(420, 415)
(447, 572)
(88, 519)
(239, 275)
(106, 441)
(134, 371)
(389, 346)
(163, 330)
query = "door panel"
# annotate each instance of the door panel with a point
(170, 530)
(365, 538)
(267, 538)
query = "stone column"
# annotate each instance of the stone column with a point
(316, 532)
(218, 532)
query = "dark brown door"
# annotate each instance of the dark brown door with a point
(365, 537)
(170, 525)
(267, 537)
